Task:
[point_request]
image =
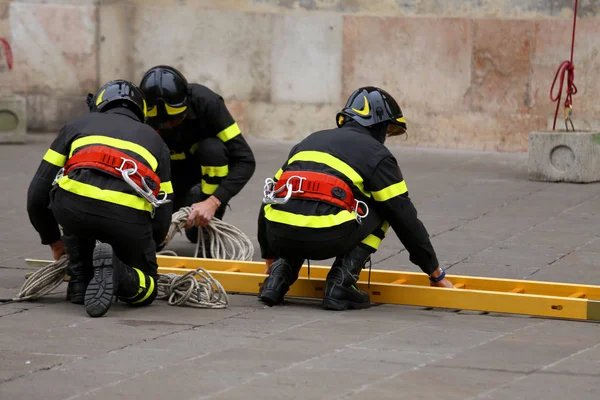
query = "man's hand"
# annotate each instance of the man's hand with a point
(58, 249)
(268, 263)
(203, 212)
(444, 283)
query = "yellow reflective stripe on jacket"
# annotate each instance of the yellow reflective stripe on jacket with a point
(118, 143)
(333, 162)
(308, 221)
(391, 191)
(110, 196)
(278, 174)
(166, 187)
(55, 158)
(229, 133)
(208, 188)
(218, 171)
(177, 156)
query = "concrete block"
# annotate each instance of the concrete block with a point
(560, 156)
(307, 58)
(13, 119)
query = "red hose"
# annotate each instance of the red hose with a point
(568, 68)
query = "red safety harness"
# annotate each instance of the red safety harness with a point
(318, 186)
(113, 161)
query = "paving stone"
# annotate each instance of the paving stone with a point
(492, 270)
(436, 382)
(517, 255)
(550, 387)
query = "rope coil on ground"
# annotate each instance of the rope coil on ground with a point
(42, 282)
(180, 290)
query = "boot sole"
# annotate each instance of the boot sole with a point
(336, 305)
(270, 297)
(100, 290)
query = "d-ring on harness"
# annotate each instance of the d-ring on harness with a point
(141, 178)
(315, 186)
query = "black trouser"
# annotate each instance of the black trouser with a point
(367, 234)
(132, 242)
(197, 179)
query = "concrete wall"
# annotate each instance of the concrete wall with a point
(468, 73)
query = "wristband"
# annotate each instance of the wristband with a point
(439, 278)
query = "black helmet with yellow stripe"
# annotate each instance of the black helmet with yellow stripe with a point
(118, 93)
(166, 91)
(370, 106)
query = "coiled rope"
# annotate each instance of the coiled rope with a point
(226, 242)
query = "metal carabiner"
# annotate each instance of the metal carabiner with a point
(59, 175)
(269, 193)
(359, 217)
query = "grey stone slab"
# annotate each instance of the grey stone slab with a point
(492, 270)
(554, 239)
(17, 364)
(237, 56)
(550, 387)
(528, 349)
(593, 245)
(306, 58)
(432, 382)
(564, 156)
(571, 224)
(517, 255)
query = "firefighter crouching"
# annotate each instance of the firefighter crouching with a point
(336, 196)
(106, 177)
(210, 159)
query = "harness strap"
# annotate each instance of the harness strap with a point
(113, 161)
(318, 186)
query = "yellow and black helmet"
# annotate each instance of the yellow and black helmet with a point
(118, 93)
(166, 91)
(371, 105)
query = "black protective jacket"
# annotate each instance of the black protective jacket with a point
(208, 116)
(102, 194)
(372, 172)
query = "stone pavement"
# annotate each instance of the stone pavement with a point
(486, 219)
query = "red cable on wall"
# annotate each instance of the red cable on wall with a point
(568, 68)
(8, 51)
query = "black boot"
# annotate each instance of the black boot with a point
(79, 252)
(284, 272)
(104, 284)
(341, 292)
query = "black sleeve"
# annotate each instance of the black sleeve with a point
(38, 194)
(241, 158)
(391, 199)
(162, 215)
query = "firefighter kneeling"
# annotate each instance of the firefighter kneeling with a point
(106, 178)
(336, 196)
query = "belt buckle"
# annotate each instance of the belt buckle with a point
(300, 178)
(129, 171)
